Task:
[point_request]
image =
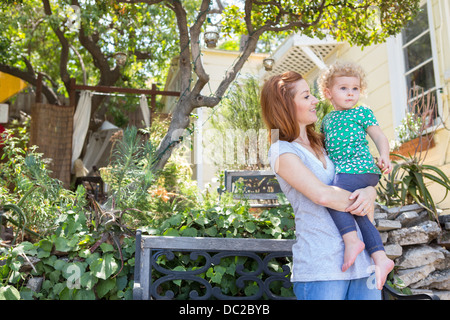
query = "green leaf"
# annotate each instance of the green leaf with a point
(42, 253)
(86, 240)
(251, 289)
(275, 221)
(178, 268)
(54, 276)
(59, 264)
(121, 283)
(65, 293)
(104, 286)
(26, 294)
(61, 244)
(201, 220)
(216, 273)
(25, 248)
(104, 267)
(88, 280)
(106, 247)
(45, 245)
(9, 293)
(212, 232)
(188, 232)
(84, 295)
(171, 233)
(250, 226)
(175, 220)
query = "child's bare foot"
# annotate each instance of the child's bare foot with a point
(353, 247)
(383, 266)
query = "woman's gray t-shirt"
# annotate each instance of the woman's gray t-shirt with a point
(318, 253)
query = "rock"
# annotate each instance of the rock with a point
(35, 283)
(29, 264)
(393, 251)
(444, 239)
(396, 211)
(386, 225)
(420, 248)
(379, 215)
(422, 216)
(384, 237)
(437, 280)
(443, 264)
(412, 276)
(443, 295)
(444, 218)
(422, 233)
(406, 217)
(419, 256)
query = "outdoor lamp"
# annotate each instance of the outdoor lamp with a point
(268, 63)
(211, 36)
(121, 58)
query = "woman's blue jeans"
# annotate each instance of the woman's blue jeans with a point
(345, 221)
(357, 289)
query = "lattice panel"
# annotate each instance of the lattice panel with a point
(296, 60)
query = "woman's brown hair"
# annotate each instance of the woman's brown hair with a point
(278, 110)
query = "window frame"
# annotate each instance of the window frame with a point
(398, 73)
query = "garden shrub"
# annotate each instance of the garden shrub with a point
(85, 250)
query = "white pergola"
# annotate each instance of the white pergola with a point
(301, 54)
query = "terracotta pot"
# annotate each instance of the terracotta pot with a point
(409, 148)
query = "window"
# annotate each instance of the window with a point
(419, 62)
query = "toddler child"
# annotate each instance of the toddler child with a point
(345, 131)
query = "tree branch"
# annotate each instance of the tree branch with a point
(185, 55)
(64, 58)
(30, 77)
(195, 30)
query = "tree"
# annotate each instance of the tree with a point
(359, 22)
(63, 39)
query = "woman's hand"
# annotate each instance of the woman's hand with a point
(364, 202)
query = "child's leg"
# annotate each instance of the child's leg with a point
(346, 225)
(374, 246)
(373, 242)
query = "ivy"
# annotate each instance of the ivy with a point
(88, 252)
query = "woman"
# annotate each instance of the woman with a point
(304, 172)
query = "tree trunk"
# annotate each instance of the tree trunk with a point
(192, 99)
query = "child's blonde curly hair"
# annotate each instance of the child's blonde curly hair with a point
(341, 69)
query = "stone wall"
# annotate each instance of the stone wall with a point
(419, 247)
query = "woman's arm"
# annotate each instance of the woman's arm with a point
(364, 198)
(291, 168)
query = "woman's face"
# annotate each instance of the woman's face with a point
(305, 103)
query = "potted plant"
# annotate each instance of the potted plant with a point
(413, 133)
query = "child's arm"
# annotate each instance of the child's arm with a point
(382, 143)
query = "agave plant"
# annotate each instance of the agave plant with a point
(408, 183)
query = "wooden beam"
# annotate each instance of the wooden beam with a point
(107, 89)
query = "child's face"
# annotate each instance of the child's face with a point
(344, 92)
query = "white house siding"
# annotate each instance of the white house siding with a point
(216, 63)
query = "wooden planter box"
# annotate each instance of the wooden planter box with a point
(409, 148)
